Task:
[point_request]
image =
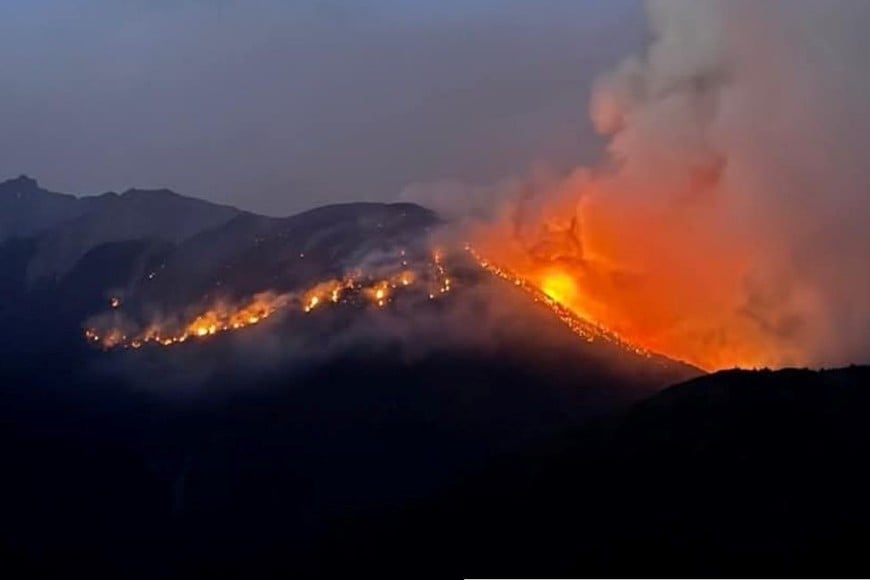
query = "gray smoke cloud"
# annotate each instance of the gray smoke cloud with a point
(728, 223)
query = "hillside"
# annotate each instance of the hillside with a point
(67, 227)
(737, 473)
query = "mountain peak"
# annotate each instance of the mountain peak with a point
(150, 193)
(24, 179)
(21, 184)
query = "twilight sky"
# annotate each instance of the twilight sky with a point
(277, 106)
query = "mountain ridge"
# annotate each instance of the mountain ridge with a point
(67, 226)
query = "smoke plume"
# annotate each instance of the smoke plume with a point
(728, 224)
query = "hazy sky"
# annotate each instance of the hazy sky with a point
(276, 106)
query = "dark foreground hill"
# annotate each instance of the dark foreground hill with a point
(735, 474)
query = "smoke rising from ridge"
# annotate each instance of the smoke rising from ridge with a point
(728, 225)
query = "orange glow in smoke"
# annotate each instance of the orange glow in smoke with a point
(559, 286)
(582, 326)
(637, 275)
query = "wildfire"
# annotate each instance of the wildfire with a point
(222, 318)
(553, 288)
(678, 315)
(330, 292)
(440, 273)
(560, 287)
(554, 291)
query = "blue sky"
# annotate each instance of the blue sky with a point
(278, 106)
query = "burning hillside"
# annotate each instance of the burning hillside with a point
(358, 287)
(555, 292)
(631, 306)
(430, 282)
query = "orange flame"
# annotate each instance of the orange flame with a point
(222, 318)
(583, 272)
(551, 292)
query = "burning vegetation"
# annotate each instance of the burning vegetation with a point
(556, 292)
(597, 296)
(357, 287)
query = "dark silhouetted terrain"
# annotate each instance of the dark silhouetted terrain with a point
(734, 474)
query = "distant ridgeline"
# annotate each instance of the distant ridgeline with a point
(65, 258)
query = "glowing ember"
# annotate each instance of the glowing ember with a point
(440, 274)
(379, 293)
(326, 292)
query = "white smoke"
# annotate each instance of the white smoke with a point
(736, 195)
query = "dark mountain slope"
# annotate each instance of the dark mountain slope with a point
(164, 253)
(135, 215)
(252, 253)
(65, 227)
(47, 316)
(732, 474)
(27, 209)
